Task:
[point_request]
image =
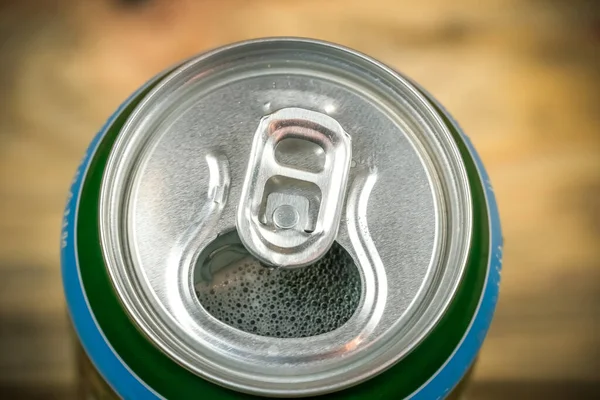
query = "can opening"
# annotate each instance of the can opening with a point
(237, 289)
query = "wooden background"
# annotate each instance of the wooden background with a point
(523, 77)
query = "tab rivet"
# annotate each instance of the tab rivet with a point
(286, 216)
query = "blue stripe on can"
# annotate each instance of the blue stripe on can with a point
(101, 354)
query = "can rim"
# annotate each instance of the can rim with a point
(245, 381)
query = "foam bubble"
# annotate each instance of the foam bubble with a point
(284, 303)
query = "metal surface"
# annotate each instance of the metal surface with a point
(177, 171)
(288, 216)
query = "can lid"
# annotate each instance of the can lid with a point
(289, 153)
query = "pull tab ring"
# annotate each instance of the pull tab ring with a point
(288, 216)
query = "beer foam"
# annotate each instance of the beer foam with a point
(284, 303)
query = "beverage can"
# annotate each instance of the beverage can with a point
(280, 217)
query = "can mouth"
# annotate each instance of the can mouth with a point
(235, 288)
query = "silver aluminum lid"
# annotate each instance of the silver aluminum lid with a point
(198, 195)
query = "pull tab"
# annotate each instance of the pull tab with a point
(289, 215)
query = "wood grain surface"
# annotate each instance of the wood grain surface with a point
(522, 77)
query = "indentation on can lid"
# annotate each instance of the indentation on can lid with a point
(239, 291)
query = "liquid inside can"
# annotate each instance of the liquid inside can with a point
(280, 218)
